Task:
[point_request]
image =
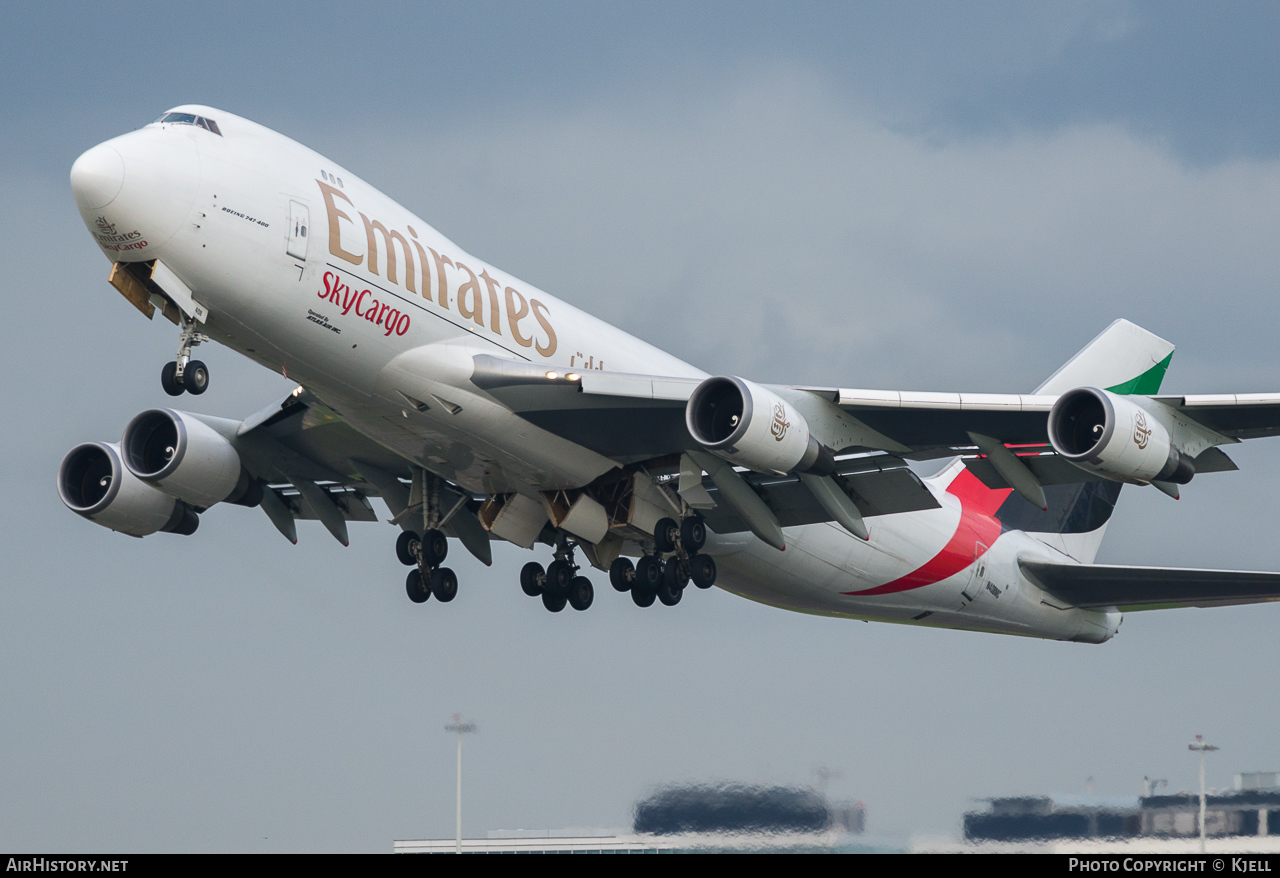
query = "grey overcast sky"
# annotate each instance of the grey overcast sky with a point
(916, 195)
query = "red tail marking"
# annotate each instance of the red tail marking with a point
(976, 532)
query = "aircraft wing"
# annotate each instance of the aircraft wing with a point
(1098, 586)
(877, 485)
(1238, 415)
(317, 467)
(630, 417)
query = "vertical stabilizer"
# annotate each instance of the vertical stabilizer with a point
(1124, 358)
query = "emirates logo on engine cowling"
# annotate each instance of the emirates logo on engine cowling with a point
(780, 423)
(1141, 432)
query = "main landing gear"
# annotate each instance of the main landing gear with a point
(559, 583)
(183, 374)
(425, 553)
(651, 578)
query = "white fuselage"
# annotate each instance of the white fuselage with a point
(312, 272)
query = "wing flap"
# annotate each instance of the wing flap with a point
(877, 485)
(1238, 415)
(1098, 586)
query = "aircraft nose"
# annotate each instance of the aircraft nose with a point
(97, 177)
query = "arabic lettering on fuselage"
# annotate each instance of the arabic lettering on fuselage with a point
(419, 270)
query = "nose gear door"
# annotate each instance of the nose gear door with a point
(299, 219)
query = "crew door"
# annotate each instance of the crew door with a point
(299, 219)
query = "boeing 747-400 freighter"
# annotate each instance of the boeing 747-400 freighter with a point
(479, 408)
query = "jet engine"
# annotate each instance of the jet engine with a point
(1105, 433)
(186, 458)
(753, 427)
(93, 483)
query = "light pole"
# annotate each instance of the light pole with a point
(1199, 744)
(462, 729)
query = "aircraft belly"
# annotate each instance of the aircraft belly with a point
(817, 570)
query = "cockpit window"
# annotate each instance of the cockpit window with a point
(190, 119)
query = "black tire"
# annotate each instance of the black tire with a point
(169, 379)
(643, 597)
(693, 533)
(559, 575)
(435, 547)
(702, 570)
(531, 578)
(554, 603)
(648, 573)
(669, 593)
(417, 592)
(676, 574)
(444, 585)
(406, 550)
(665, 534)
(621, 574)
(581, 593)
(195, 378)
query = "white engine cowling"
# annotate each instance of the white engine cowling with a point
(754, 428)
(1107, 434)
(94, 483)
(186, 458)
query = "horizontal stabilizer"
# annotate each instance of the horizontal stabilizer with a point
(1098, 586)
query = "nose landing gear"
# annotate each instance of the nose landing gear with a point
(184, 374)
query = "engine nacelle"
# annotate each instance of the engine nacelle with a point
(186, 458)
(93, 483)
(753, 427)
(1107, 434)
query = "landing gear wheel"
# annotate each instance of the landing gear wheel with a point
(693, 533)
(581, 593)
(559, 575)
(444, 585)
(435, 546)
(665, 534)
(195, 378)
(169, 379)
(648, 574)
(643, 597)
(531, 578)
(621, 574)
(669, 593)
(554, 603)
(413, 585)
(674, 575)
(407, 548)
(702, 569)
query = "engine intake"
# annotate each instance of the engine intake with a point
(754, 427)
(1105, 433)
(186, 458)
(93, 483)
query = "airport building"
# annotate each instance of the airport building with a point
(1251, 809)
(723, 818)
